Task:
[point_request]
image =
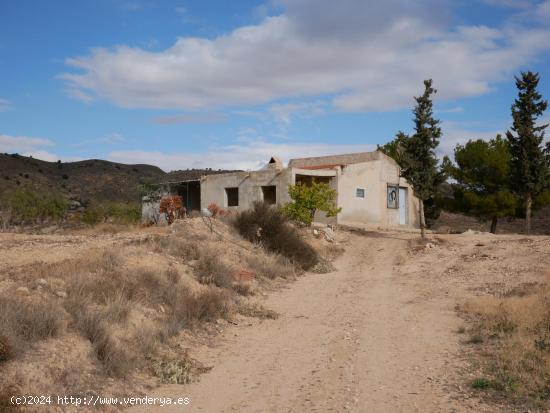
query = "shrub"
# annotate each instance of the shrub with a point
(172, 207)
(256, 310)
(266, 225)
(210, 269)
(24, 322)
(113, 356)
(6, 349)
(271, 266)
(308, 199)
(115, 212)
(30, 206)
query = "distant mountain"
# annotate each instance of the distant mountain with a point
(92, 179)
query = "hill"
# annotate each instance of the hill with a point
(82, 181)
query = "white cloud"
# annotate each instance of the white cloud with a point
(22, 143)
(370, 55)
(43, 155)
(249, 155)
(283, 113)
(201, 118)
(5, 105)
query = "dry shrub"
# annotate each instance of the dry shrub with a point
(266, 225)
(187, 308)
(256, 310)
(210, 269)
(271, 266)
(182, 248)
(6, 349)
(114, 356)
(518, 331)
(243, 289)
(6, 393)
(24, 322)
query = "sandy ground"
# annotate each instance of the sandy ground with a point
(377, 335)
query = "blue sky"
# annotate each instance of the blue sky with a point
(227, 84)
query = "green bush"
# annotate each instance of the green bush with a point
(30, 206)
(116, 212)
(308, 199)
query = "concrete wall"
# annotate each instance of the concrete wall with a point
(372, 210)
(345, 159)
(249, 184)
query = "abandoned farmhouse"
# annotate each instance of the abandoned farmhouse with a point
(369, 189)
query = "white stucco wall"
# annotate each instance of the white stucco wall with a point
(374, 177)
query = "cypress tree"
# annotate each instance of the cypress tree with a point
(529, 162)
(417, 159)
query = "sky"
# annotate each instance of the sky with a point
(227, 84)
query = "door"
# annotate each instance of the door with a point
(403, 206)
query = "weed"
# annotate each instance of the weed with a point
(481, 383)
(24, 322)
(6, 349)
(256, 310)
(271, 266)
(210, 269)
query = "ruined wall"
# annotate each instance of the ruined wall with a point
(249, 184)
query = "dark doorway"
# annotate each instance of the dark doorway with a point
(190, 192)
(270, 194)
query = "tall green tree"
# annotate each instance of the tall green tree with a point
(416, 153)
(482, 175)
(529, 160)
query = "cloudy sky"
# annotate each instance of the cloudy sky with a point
(226, 84)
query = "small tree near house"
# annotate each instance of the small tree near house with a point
(529, 163)
(172, 207)
(415, 154)
(308, 199)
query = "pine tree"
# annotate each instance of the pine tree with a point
(529, 161)
(482, 175)
(417, 158)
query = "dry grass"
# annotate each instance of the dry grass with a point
(23, 322)
(515, 332)
(256, 310)
(210, 269)
(271, 266)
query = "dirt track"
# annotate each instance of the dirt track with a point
(364, 338)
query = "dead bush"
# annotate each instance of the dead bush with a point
(256, 310)
(114, 357)
(266, 225)
(181, 248)
(6, 393)
(514, 341)
(210, 269)
(271, 266)
(6, 349)
(24, 322)
(186, 308)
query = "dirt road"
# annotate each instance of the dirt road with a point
(360, 339)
